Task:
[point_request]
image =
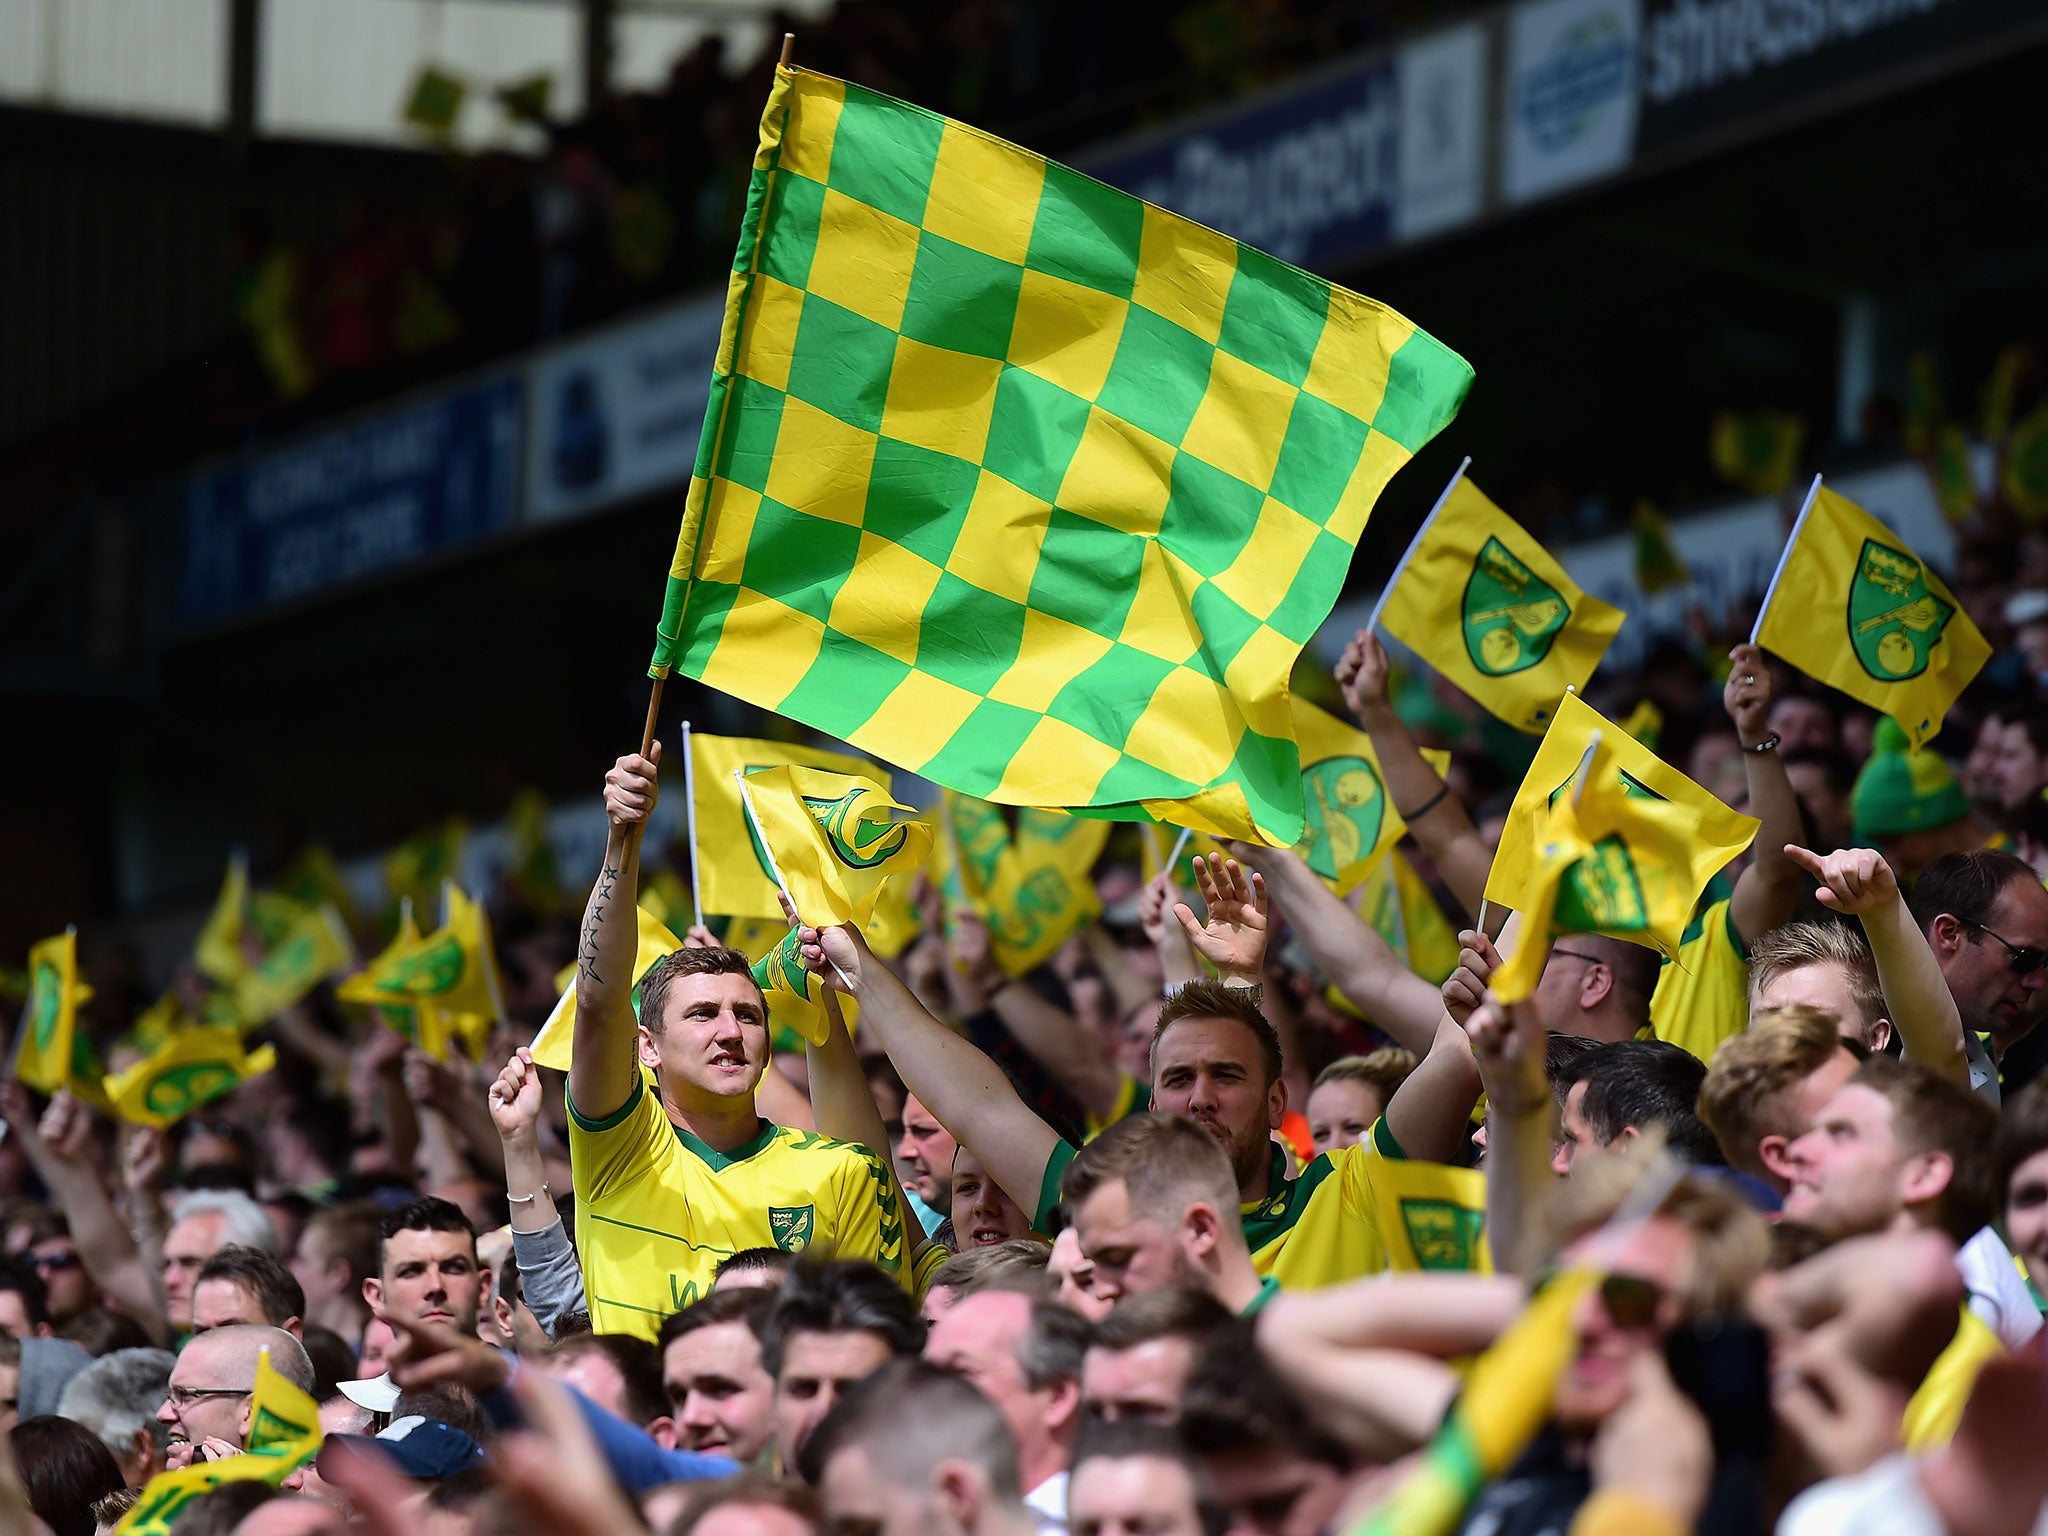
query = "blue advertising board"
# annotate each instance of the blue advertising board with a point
(348, 504)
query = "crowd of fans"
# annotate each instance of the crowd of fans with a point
(1201, 1226)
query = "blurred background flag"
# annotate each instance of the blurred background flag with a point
(43, 1045)
(938, 517)
(1851, 606)
(191, 1069)
(1488, 607)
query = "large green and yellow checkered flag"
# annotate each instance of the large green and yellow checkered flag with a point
(1023, 484)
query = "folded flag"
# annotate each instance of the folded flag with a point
(284, 1421)
(1032, 886)
(218, 953)
(1659, 565)
(314, 946)
(1488, 607)
(551, 1047)
(1351, 820)
(1852, 607)
(731, 876)
(834, 839)
(451, 968)
(47, 1039)
(1021, 483)
(192, 1068)
(1604, 838)
(1757, 450)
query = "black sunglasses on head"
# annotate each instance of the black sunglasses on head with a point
(2024, 958)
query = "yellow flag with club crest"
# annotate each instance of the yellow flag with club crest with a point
(1603, 837)
(834, 839)
(191, 1069)
(1851, 606)
(451, 968)
(1486, 605)
(551, 1047)
(47, 1039)
(313, 946)
(731, 876)
(1351, 819)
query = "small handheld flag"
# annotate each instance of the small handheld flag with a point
(191, 1069)
(47, 1040)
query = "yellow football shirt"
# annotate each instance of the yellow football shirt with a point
(1935, 1410)
(657, 1210)
(1353, 1212)
(1702, 997)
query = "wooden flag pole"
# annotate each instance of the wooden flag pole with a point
(788, 48)
(653, 710)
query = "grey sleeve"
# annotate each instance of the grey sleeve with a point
(549, 1276)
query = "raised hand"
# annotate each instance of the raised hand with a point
(1234, 938)
(515, 1097)
(66, 1127)
(1509, 1045)
(1465, 989)
(835, 954)
(429, 1082)
(1851, 879)
(145, 1158)
(700, 937)
(632, 787)
(1747, 694)
(1656, 1445)
(973, 950)
(1362, 674)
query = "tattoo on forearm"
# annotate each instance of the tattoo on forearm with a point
(600, 898)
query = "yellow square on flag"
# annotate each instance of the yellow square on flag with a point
(1488, 607)
(1852, 607)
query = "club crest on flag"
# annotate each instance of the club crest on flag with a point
(1510, 613)
(429, 971)
(1894, 620)
(791, 1226)
(183, 1088)
(859, 840)
(45, 1003)
(1602, 893)
(1346, 805)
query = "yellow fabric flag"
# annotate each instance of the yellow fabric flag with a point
(1852, 607)
(551, 1047)
(451, 968)
(1043, 893)
(314, 947)
(795, 996)
(157, 1023)
(1398, 904)
(731, 877)
(1488, 607)
(284, 1421)
(313, 877)
(1351, 820)
(418, 867)
(192, 1068)
(218, 954)
(1619, 844)
(834, 838)
(47, 1040)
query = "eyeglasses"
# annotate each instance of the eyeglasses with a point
(1576, 954)
(184, 1397)
(2024, 958)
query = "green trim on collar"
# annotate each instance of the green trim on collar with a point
(617, 1117)
(1268, 1289)
(718, 1161)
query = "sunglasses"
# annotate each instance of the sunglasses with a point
(54, 1263)
(2024, 958)
(1631, 1300)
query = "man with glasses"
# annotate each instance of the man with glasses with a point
(206, 1409)
(1985, 915)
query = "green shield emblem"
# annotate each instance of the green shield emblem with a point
(1510, 616)
(1602, 892)
(1894, 621)
(184, 1088)
(790, 1226)
(45, 1002)
(1443, 1235)
(271, 1434)
(1346, 807)
(425, 973)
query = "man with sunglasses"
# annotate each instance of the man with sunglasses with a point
(1985, 915)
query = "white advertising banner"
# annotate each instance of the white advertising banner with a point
(1569, 107)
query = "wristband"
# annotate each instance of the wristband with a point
(528, 1199)
(1427, 806)
(1768, 744)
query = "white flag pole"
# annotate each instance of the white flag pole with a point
(1581, 773)
(775, 870)
(1415, 543)
(690, 825)
(1179, 843)
(1784, 555)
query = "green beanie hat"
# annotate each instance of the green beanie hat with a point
(1900, 790)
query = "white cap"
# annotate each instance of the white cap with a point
(379, 1394)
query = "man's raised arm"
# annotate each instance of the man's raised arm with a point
(952, 1077)
(603, 1068)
